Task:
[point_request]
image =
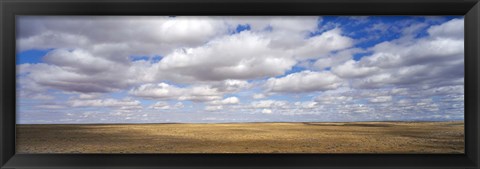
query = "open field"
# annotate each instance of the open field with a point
(357, 137)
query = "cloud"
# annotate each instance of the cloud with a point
(230, 85)
(89, 96)
(259, 96)
(197, 93)
(214, 108)
(144, 34)
(266, 111)
(79, 71)
(165, 91)
(305, 81)
(125, 104)
(450, 30)
(323, 44)
(306, 105)
(50, 106)
(242, 56)
(269, 104)
(79, 61)
(157, 91)
(435, 60)
(160, 106)
(226, 101)
(334, 59)
(351, 69)
(333, 99)
(285, 32)
(381, 99)
(189, 50)
(50, 76)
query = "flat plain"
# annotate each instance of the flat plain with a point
(351, 137)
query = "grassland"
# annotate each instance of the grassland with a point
(357, 137)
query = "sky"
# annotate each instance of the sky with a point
(205, 69)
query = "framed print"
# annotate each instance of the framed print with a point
(240, 84)
(250, 84)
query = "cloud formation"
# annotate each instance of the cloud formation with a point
(239, 68)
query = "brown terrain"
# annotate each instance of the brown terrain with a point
(353, 137)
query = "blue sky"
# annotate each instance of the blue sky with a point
(99, 69)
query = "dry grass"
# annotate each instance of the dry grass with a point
(358, 137)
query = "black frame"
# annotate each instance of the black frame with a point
(10, 8)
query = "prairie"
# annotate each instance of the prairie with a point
(351, 137)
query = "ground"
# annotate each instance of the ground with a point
(353, 137)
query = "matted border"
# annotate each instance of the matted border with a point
(10, 8)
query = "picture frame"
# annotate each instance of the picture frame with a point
(12, 8)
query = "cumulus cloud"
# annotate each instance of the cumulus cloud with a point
(170, 92)
(125, 104)
(226, 101)
(450, 30)
(214, 108)
(306, 105)
(333, 59)
(269, 104)
(266, 111)
(381, 99)
(231, 85)
(161, 105)
(435, 60)
(351, 69)
(192, 49)
(323, 44)
(242, 56)
(305, 81)
(259, 96)
(150, 35)
(333, 99)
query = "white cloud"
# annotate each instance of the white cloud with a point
(432, 60)
(306, 105)
(89, 96)
(285, 32)
(322, 45)
(351, 69)
(50, 106)
(192, 49)
(214, 108)
(157, 91)
(305, 81)
(269, 104)
(169, 92)
(51, 76)
(226, 101)
(381, 99)
(144, 34)
(333, 99)
(259, 96)
(242, 56)
(334, 59)
(125, 104)
(451, 29)
(78, 61)
(267, 111)
(231, 85)
(160, 106)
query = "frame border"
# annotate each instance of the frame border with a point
(10, 8)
